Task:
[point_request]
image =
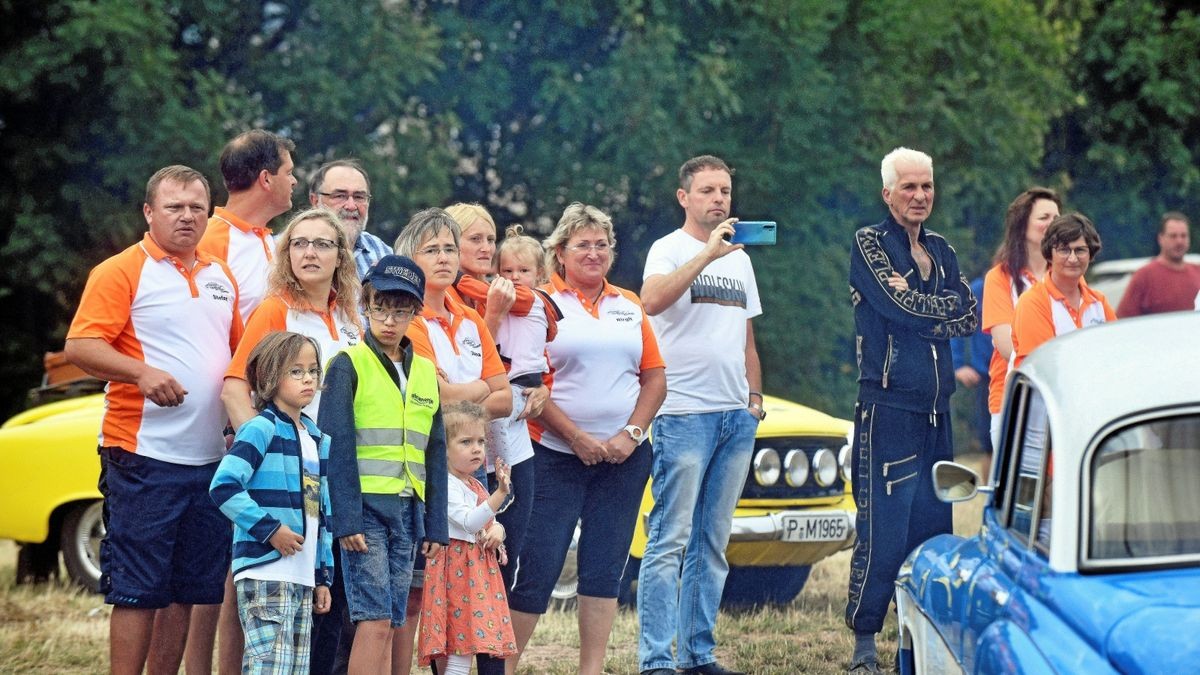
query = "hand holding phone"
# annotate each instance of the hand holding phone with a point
(754, 233)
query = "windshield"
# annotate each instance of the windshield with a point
(1144, 499)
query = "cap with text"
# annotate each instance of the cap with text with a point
(398, 273)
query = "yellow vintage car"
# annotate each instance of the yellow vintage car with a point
(795, 507)
(795, 510)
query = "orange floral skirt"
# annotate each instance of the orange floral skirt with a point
(464, 609)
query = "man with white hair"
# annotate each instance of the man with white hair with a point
(909, 300)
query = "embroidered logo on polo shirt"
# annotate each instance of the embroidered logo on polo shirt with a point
(351, 336)
(422, 401)
(219, 291)
(622, 315)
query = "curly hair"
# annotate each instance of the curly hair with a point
(519, 243)
(577, 216)
(282, 278)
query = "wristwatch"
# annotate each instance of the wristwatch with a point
(757, 407)
(635, 432)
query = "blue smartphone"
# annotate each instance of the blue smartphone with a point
(754, 232)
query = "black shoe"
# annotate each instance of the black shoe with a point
(713, 668)
(870, 667)
(658, 671)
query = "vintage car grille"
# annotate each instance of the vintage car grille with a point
(789, 452)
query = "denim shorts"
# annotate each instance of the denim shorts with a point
(166, 540)
(377, 581)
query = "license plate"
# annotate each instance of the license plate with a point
(814, 527)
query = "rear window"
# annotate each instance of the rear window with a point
(1144, 505)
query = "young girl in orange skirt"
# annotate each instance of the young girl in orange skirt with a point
(465, 610)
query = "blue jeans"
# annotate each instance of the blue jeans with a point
(604, 499)
(377, 581)
(700, 466)
(894, 453)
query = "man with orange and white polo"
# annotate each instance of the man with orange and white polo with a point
(257, 169)
(160, 321)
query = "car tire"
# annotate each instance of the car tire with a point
(82, 531)
(566, 589)
(750, 586)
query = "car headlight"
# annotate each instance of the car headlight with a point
(844, 460)
(795, 467)
(766, 466)
(825, 467)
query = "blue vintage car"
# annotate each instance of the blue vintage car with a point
(1088, 559)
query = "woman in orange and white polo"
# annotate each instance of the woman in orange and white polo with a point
(1018, 266)
(590, 457)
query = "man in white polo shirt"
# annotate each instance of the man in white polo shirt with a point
(701, 295)
(257, 169)
(160, 321)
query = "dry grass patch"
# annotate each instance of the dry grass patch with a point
(56, 628)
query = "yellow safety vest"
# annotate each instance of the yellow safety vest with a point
(392, 431)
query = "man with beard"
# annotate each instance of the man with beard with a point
(344, 187)
(1167, 283)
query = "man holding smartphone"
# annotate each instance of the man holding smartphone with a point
(701, 295)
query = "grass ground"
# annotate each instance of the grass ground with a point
(55, 628)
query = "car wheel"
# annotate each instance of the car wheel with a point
(566, 589)
(749, 586)
(82, 531)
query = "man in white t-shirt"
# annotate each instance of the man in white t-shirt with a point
(700, 293)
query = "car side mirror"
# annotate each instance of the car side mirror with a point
(955, 483)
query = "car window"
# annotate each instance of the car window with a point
(1143, 503)
(1029, 494)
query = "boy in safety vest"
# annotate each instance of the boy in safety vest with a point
(387, 460)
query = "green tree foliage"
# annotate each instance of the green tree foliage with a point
(1132, 145)
(526, 106)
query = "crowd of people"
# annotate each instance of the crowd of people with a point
(327, 454)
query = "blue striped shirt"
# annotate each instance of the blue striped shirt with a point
(258, 486)
(367, 251)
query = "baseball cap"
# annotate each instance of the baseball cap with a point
(397, 273)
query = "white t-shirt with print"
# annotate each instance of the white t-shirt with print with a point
(298, 568)
(702, 336)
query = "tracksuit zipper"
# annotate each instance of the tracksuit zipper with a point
(937, 387)
(886, 465)
(887, 362)
(890, 483)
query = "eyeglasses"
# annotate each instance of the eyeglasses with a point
(382, 315)
(585, 247)
(298, 373)
(432, 251)
(322, 245)
(339, 197)
(1080, 252)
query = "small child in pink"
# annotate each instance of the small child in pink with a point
(464, 611)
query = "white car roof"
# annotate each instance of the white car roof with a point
(1094, 376)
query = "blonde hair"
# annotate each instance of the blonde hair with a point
(518, 243)
(268, 360)
(465, 214)
(459, 414)
(576, 217)
(282, 278)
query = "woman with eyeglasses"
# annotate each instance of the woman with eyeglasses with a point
(312, 289)
(1062, 302)
(458, 341)
(591, 459)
